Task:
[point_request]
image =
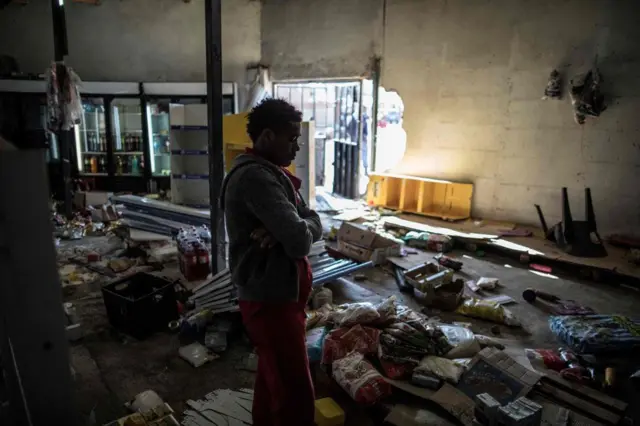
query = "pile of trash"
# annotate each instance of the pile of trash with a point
(363, 343)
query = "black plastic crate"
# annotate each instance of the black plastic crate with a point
(141, 304)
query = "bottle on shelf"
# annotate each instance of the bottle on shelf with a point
(119, 165)
(94, 164)
(87, 165)
(135, 169)
(103, 143)
(102, 164)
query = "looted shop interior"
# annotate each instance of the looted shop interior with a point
(473, 164)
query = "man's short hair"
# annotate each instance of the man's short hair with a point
(271, 113)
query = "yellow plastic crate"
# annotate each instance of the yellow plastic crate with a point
(430, 197)
(328, 413)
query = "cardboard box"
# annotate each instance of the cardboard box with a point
(82, 199)
(360, 244)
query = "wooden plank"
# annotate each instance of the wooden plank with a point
(590, 393)
(577, 403)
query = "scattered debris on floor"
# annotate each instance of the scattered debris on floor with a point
(221, 407)
(144, 266)
(160, 415)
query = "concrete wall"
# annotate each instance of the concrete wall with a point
(320, 38)
(134, 40)
(471, 74)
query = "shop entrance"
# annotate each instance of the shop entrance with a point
(341, 111)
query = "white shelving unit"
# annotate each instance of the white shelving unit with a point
(189, 155)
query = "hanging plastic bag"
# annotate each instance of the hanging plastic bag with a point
(487, 310)
(554, 86)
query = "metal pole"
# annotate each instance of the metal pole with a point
(374, 113)
(213, 23)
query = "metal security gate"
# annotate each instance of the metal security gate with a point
(336, 109)
(347, 138)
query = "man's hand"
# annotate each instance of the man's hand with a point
(263, 237)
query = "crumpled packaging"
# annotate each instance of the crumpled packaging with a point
(354, 313)
(360, 379)
(487, 310)
(340, 342)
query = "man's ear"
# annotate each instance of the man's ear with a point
(265, 139)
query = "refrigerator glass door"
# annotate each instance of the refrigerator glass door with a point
(128, 146)
(91, 139)
(158, 119)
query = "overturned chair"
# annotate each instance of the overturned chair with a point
(577, 238)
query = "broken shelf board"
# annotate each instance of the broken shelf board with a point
(616, 260)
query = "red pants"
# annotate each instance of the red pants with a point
(283, 393)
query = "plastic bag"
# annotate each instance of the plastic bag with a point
(396, 371)
(387, 310)
(431, 242)
(216, 340)
(485, 283)
(427, 337)
(323, 297)
(486, 310)
(196, 354)
(360, 380)
(314, 340)
(486, 341)
(443, 368)
(394, 352)
(542, 359)
(463, 341)
(355, 313)
(318, 318)
(342, 341)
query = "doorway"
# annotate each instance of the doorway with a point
(341, 111)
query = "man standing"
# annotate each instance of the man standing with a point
(271, 231)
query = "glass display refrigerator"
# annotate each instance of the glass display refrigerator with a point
(158, 97)
(91, 139)
(128, 137)
(104, 142)
(122, 142)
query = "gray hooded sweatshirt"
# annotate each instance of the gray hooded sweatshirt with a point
(256, 193)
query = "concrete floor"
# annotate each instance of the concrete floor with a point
(112, 368)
